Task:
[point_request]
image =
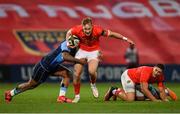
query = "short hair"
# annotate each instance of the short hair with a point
(161, 66)
(86, 20)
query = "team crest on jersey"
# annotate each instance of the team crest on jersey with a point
(39, 42)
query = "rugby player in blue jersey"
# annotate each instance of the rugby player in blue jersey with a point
(51, 65)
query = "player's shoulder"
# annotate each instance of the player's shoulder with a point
(146, 68)
(97, 27)
(63, 45)
(77, 27)
(64, 42)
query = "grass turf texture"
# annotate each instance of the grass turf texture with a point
(43, 99)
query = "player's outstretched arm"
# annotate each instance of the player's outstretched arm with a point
(68, 34)
(145, 90)
(162, 94)
(119, 36)
(69, 58)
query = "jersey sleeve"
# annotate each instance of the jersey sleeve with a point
(101, 32)
(160, 84)
(161, 81)
(64, 47)
(145, 75)
(74, 30)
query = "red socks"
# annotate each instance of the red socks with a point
(77, 88)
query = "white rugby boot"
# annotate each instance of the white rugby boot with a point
(94, 90)
(76, 99)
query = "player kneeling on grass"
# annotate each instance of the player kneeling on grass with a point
(139, 96)
(50, 65)
(143, 75)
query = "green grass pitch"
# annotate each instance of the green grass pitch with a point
(43, 99)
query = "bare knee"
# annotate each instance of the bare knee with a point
(92, 67)
(130, 96)
(92, 72)
(77, 76)
(77, 72)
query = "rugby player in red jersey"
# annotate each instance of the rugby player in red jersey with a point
(89, 49)
(143, 75)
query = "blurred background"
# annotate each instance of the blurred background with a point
(31, 28)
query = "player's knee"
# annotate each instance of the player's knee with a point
(76, 78)
(77, 74)
(130, 97)
(92, 73)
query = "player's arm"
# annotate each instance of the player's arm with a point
(119, 36)
(145, 90)
(69, 58)
(68, 33)
(162, 93)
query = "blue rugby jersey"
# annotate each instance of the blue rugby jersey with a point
(54, 58)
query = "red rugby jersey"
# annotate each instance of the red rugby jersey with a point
(144, 74)
(89, 43)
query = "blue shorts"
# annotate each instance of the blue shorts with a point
(39, 73)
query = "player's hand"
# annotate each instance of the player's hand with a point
(166, 100)
(157, 100)
(83, 61)
(100, 56)
(130, 42)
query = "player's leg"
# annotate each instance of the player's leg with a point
(39, 75)
(119, 93)
(92, 69)
(155, 92)
(171, 94)
(19, 89)
(109, 94)
(78, 68)
(126, 96)
(128, 91)
(93, 61)
(66, 74)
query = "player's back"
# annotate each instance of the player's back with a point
(54, 58)
(136, 73)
